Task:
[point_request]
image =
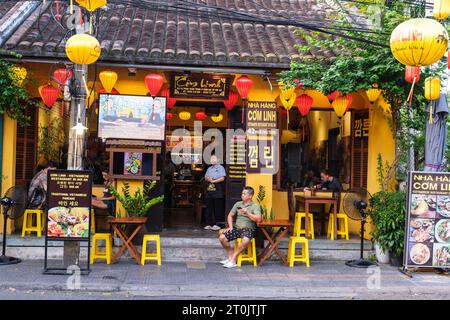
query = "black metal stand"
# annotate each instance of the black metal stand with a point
(361, 263)
(5, 260)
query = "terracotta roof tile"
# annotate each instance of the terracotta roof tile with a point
(162, 35)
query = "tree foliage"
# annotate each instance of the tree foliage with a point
(357, 65)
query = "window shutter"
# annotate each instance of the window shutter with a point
(26, 149)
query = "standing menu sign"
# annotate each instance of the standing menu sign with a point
(69, 206)
(427, 242)
(262, 137)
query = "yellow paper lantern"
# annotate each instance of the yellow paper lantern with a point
(83, 49)
(340, 106)
(91, 5)
(288, 103)
(441, 9)
(108, 79)
(286, 93)
(217, 118)
(373, 94)
(184, 115)
(419, 42)
(432, 88)
(19, 75)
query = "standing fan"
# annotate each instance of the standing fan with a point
(356, 203)
(13, 203)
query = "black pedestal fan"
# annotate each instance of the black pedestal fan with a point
(356, 207)
(13, 204)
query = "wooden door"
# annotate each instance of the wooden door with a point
(26, 148)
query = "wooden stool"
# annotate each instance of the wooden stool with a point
(28, 226)
(248, 254)
(342, 221)
(298, 231)
(96, 253)
(304, 256)
(153, 255)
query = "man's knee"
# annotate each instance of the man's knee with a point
(245, 241)
(222, 238)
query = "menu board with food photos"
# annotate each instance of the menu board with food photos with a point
(428, 221)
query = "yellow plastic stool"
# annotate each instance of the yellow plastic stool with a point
(248, 254)
(304, 256)
(28, 226)
(153, 255)
(342, 221)
(298, 231)
(96, 253)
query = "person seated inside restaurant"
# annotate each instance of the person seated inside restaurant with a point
(309, 179)
(107, 201)
(248, 214)
(329, 183)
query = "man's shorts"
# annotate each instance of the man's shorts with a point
(235, 233)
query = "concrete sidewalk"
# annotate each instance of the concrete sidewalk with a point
(198, 280)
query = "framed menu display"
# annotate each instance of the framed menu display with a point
(427, 232)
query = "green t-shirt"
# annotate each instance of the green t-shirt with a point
(242, 221)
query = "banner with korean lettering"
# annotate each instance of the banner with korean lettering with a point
(427, 241)
(69, 204)
(262, 137)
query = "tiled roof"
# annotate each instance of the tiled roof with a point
(159, 36)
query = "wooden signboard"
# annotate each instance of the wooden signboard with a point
(200, 85)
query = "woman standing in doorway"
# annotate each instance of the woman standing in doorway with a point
(215, 195)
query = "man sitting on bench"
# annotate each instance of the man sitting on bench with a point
(248, 215)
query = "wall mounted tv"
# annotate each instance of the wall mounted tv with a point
(131, 117)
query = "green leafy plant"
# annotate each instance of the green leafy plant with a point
(264, 211)
(51, 140)
(14, 98)
(388, 215)
(140, 202)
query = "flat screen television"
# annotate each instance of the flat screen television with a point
(131, 117)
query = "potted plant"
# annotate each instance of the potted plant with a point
(265, 215)
(139, 203)
(388, 216)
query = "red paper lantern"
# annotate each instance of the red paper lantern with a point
(200, 115)
(304, 104)
(232, 100)
(411, 73)
(169, 116)
(350, 100)
(170, 101)
(244, 85)
(154, 83)
(332, 96)
(113, 91)
(49, 95)
(61, 75)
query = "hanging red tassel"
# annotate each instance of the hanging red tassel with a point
(303, 132)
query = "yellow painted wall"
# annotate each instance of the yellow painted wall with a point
(8, 161)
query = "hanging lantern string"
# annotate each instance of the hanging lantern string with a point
(410, 95)
(71, 6)
(430, 120)
(90, 23)
(88, 94)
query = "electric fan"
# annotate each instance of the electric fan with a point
(356, 207)
(13, 203)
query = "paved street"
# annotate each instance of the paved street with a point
(126, 280)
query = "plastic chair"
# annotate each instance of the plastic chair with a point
(248, 254)
(28, 226)
(151, 255)
(342, 221)
(298, 231)
(292, 256)
(96, 253)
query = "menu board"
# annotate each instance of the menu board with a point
(428, 223)
(69, 203)
(236, 157)
(263, 139)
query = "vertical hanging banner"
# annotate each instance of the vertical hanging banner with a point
(69, 208)
(427, 240)
(262, 137)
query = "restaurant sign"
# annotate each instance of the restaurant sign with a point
(427, 240)
(200, 85)
(69, 203)
(262, 137)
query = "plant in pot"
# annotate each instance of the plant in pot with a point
(137, 204)
(265, 215)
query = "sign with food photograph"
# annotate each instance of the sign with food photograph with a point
(133, 163)
(69, 203)
(428, 223)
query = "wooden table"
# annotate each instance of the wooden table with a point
(116, 224)
(275, 239)
(307, 200)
